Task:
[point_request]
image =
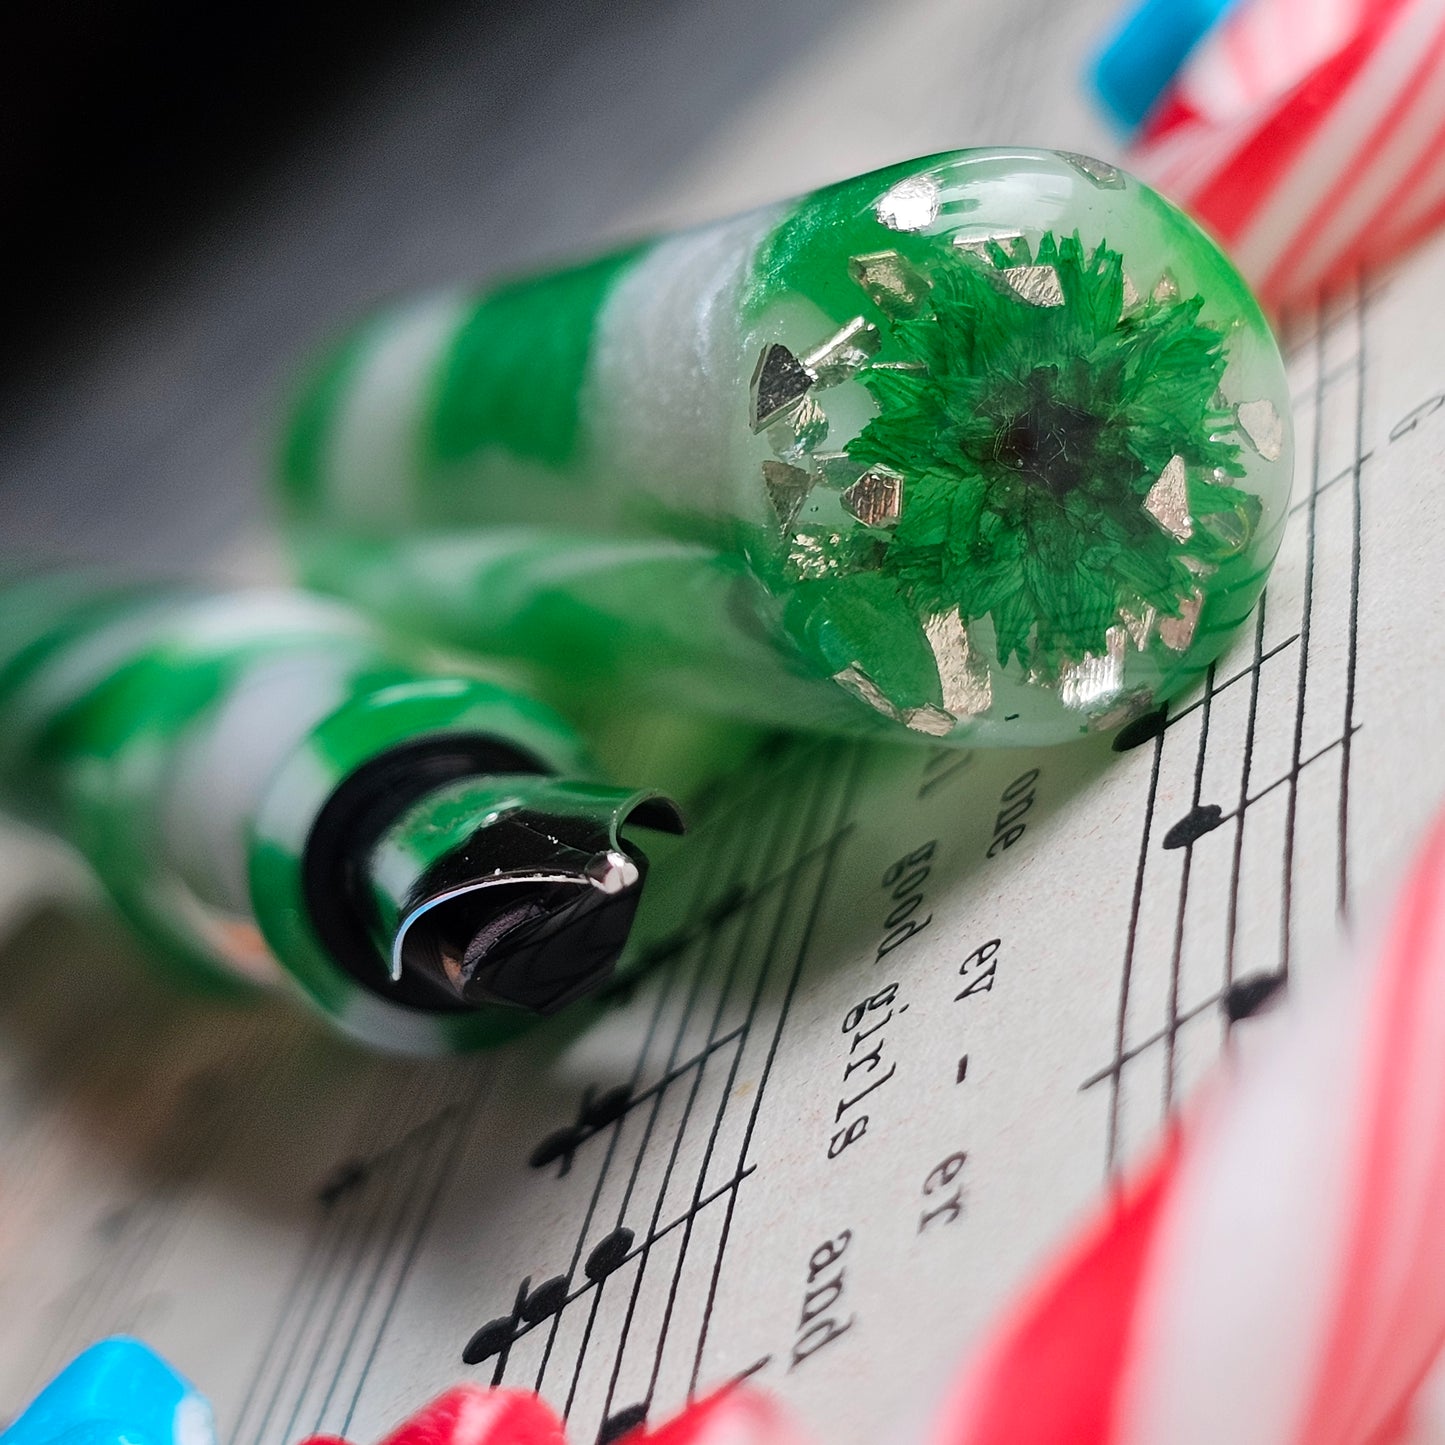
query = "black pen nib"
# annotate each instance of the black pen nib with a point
(533, 910)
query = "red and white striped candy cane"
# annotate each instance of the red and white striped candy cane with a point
(471, 1415)
(1309, 136)
(730, 1417)
(1276, 1275)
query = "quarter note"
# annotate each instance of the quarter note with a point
(594, 1114)
(1246, 997)
(619, 1422)
(608, 1255)
(495, 1338)
(1201, 819)
(532, 1307)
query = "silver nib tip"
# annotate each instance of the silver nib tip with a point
(613, 872)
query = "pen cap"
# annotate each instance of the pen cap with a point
(992, 447)
(216, 757)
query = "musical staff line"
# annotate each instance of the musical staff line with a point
(744, 935)
(1246, 766)
(701, 969)
(1159, 1036)
(841, 830)
(638, 1250)
(1213, 690)
(1171, 1030)
(1242, 731)
(1302, 682)
(1344, 475)
(1121, 1019)
(1342, 880)
(563, 1144)
(450, 1157)
(739, 857)
(374, 1213)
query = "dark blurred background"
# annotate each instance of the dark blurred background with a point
(123, 119)
(198, 194)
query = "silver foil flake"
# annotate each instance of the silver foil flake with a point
(931, 720)
(1131, 293)
(1167, 288)
(1038, 285)
(1261, 423)
(837, 469)
(1129, 707)
(1199, 566)
(780, 382)
(1176, 633)
(982, 246)
(843, 355)
(1103, 175)
(1095, 678)
(964, 675)
(856, 681)
(798, 431)
(787, 488)
(894, 285)
(876, 498)
(1139, 625)
(1232, 529)
(911, 205)
(1167, 501)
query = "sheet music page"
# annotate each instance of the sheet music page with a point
(922, 1007)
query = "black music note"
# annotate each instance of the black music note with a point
(1142, 730)
(619, 1422)
(608, 1254)
(1201, 819)
(114, 1222)
(594, 1114)
(347, 1175)
(533, 1306)
(1245, 997)
(544, 1301)
(495, 1338)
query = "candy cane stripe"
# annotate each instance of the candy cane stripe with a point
(1052, 1372)
(1308, 137)
(1350, 206)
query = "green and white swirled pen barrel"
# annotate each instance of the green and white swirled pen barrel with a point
(993, 447)
(268, 786)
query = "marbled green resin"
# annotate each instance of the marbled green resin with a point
(991, 447)
(186, 744)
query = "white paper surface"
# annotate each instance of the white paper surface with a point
(314, 1235)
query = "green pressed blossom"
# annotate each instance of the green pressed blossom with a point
(1030, 413)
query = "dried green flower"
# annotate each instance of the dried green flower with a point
(1030, 417)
